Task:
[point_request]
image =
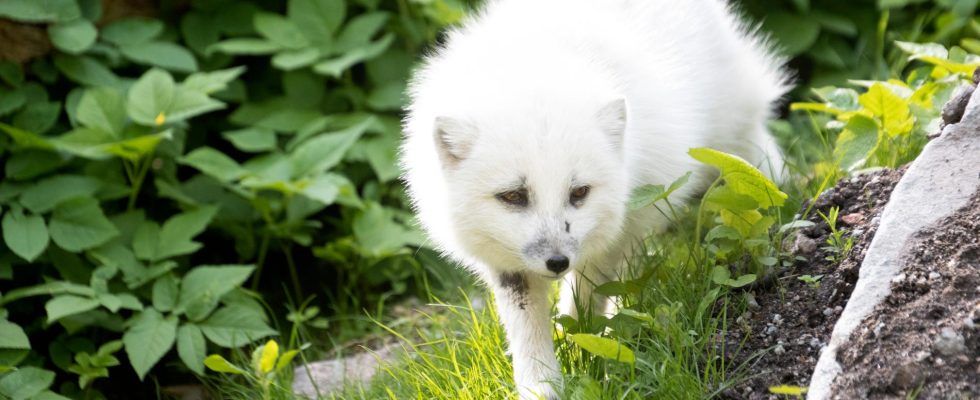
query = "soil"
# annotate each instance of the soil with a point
(778, 339)
(923, 340)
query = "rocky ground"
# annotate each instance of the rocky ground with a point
(924, 339)
(778, 340)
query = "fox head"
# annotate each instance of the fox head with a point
(542, 191)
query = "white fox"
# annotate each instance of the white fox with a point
(528, 129)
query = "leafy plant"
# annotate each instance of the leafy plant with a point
(838, 245)
(888, 124)
(813, 281)
(265, 369)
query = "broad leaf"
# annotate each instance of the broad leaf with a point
(64, 305)
(218, 363)
(252, 140)
(892, 110)
(604, 347)
(234, 326)
(151, 97)
(358, 31)
(85, 70)
(336, 66)
(856, 142)
(741, 176)
(25, 383)
(213, 81)
(203, 286)
(244, 46)
(161, 54)
(321, 153)
(191, 347)
(318, 19)
(149, 337)
(44, 195)
(12, 336)
(79, 224)
(40, 10)
(25, 235)
(214, 163)
(279, 30)
(132, 30)
(103, 109)
(74, 36)
(165, 292)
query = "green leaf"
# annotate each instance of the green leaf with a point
(161, 54)
(199, 31)
(741, 176)
(788, 390)
(646, 195)
(12, 336)
(191, 347)
(214, 164)
(132, 30)
(336, 66)
(203, 286)
(722, 276)
(323, 152)
(318, 19)
(79, 224)
(794, 33)
(74, 36)
(149, 337)
(244, 46)
(279, 30)
(234, 326)
(165, 293)
(922, 50)
(323, 188)
(24, 138)
(38, 117)
(358, 31)
(382, 154)
(176, 234)
(65, 305)
(44, 195)
(104, 109)
(218, 363)
(85, 70)
(896, 118)
(25, 235)
(856, 142)
(40, 10)
(188, 103)
(724, 198)
(252, 140)
(603, 347)
(150, 97)
(11, 100)
(289, 60)
(212, 81)
(26, 382)
(378, 234)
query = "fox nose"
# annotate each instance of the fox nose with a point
(557, 263)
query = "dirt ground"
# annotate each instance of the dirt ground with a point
(778, 340)
(923, 339)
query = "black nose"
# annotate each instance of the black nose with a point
(557, 264)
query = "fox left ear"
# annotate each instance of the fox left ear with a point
(453, 139)
(612, 120)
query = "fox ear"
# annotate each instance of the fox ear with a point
(453, 139)
(612, 120)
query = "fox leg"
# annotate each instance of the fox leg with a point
(525, 311)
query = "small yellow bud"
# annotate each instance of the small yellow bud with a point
(160, 119)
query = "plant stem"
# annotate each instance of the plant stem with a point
(260, 261)
(136, 180)
(297, 288)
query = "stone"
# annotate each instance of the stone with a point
(322, 378)
(949, 343)
(852, 219)
(908, 376)
(940, 181)
(804, 245)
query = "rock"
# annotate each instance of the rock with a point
(949, 343)
(852, 219)
(804, 245)
(953, 110)
(908, 376)
(331, 375)
(940, 181)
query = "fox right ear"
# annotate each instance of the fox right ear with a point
(453, 139)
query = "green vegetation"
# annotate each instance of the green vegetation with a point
(185, 180)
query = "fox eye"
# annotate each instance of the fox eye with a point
(578, 195)
(517, 198)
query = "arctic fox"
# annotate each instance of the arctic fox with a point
(530, 126)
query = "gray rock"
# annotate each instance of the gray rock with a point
(940, 181)
(953, 110)
(323, 378)
(949, 343)
(804, 245)
(908, 376)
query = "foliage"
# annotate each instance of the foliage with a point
(838, 245)
(266, 368)
(833, 41)
(153, 166)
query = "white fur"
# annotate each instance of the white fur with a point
(525, 93)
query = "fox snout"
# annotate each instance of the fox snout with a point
(551, 253)
(557, 263)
